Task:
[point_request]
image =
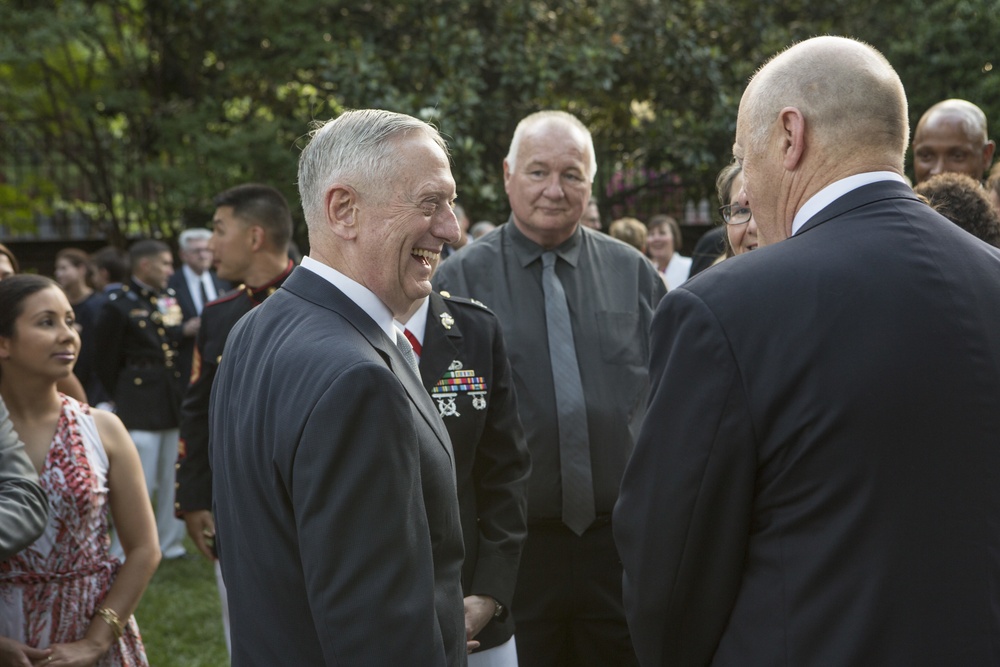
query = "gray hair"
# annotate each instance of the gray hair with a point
(552, 116)
(195, 234)
(355, 148)
(846, 90)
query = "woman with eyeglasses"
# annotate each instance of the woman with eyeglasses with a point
(741, 229)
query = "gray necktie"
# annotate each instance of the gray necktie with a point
(407, 351)
(571, 409)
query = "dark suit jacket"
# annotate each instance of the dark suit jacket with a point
(136, 356)
(334, 491)
(193, 487)
(180, 286)
(491, 457)
(816, 481)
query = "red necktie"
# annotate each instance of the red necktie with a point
(417, 347)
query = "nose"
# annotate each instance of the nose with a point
(446, 228)
(938, 167)
(553, 187)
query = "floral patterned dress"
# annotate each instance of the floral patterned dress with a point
(50, 591)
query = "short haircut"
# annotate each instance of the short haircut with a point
(356, 149)
(13, 292)
(262, 205)
(847, 91)
(973, 120)
(146, 248)
(9, 254)
(112, 261)
(961, 199)
(194, 234)
(663, 220)
(630, 231)
(561, 117)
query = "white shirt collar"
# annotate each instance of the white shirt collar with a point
(835, 191)
(356, 292)
(417, 324)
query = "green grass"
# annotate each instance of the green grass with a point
(179, 615)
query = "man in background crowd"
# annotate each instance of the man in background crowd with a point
(951, 136)
(194, 285)
(576, 335)
(138, 331)
(252, 228)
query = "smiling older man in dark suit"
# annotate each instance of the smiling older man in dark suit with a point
(336, 511)
(815, 482)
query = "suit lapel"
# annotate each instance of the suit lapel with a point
(316, 289)
(440, 342)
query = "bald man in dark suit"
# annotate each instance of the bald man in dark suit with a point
(815, 482)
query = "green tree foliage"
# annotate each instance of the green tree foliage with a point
(137, 112)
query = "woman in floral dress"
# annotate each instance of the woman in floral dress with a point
(65, 593)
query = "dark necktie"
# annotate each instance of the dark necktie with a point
(571, 409)
(204, 294)
(407, 352)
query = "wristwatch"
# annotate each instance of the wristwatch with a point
(499, 610)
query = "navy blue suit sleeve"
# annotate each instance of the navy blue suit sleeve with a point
(374, 602)
(682, 520)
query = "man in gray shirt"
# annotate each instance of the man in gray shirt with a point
(24, 509)
(575, 307)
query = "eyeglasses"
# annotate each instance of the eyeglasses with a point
(735, 215)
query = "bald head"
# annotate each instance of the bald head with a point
(849, 94)
(952, 137)
(820, 111)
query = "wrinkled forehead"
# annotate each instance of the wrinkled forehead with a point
(553, 138)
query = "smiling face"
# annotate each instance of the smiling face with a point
(742, 238)
(44, 340)
(660, 243)
(947, 142)
(401, 230)
(549, 186)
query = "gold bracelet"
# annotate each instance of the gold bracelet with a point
(111, 618)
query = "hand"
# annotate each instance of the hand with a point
(479, 609)
(83, 653)
(190, 328)
(201, 528)
(16, 654)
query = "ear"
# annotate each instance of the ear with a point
(506, 176)
(793, 137)
(4, 348)
(988, 151)
(342, 203)
(257, 237)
